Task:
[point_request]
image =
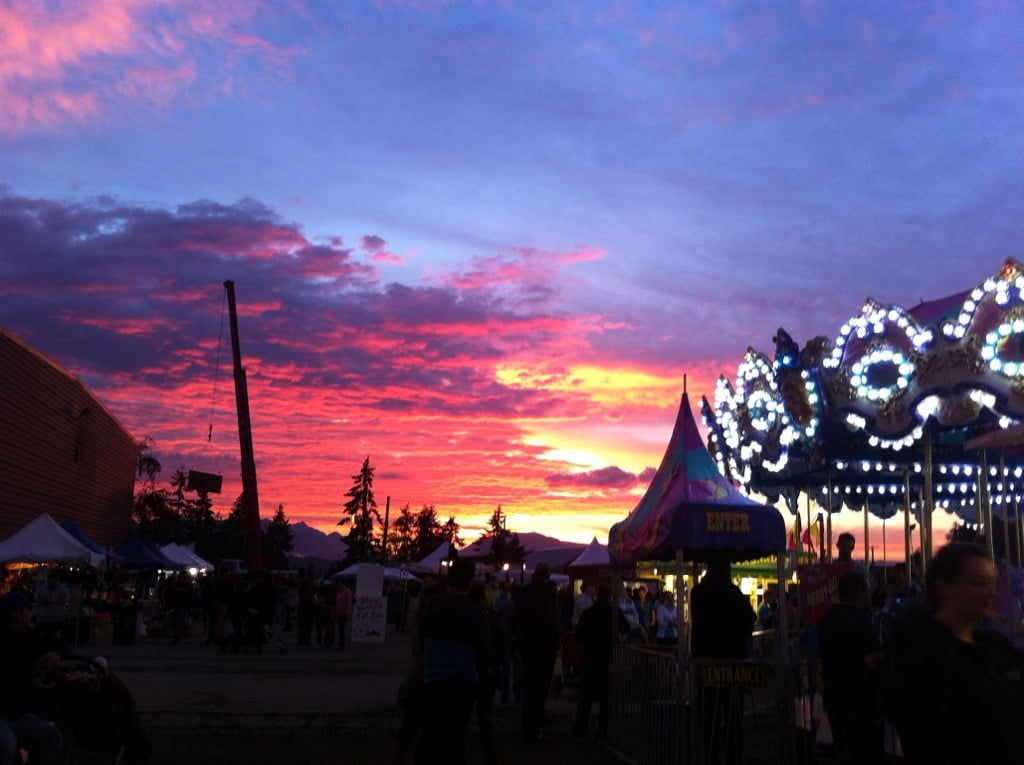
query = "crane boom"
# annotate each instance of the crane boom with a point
(250, 495)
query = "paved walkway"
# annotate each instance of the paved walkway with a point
(191, 686)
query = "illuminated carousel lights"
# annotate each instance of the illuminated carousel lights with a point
(1002, 287)
(859, 379)
(896, 444)
(990, 350)
(872, 321)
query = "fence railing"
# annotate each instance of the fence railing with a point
(747, 711)
(644, 726)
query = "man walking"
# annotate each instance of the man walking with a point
(456, 652)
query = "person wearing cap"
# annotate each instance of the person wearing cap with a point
(20, 660)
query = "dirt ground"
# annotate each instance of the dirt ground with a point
(351, 748)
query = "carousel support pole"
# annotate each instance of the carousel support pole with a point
(920, 532)
(885, 560)
(827, 548)
(867, 535)
(906, 525)
(926, 509)
(985, 500)
(1012, 615)
(828, 509)
(799, 531)
(1016, 526)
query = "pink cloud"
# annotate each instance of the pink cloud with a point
(77, 62)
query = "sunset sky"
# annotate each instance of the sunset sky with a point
(482, 242)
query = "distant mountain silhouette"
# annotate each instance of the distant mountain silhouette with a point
(530, 540)
(313, 543)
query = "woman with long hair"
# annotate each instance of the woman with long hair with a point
(953, 688)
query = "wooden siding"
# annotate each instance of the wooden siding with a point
(61, 451)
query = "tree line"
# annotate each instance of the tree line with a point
(174, 513)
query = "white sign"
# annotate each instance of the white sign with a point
(369, 580)
(369, 619)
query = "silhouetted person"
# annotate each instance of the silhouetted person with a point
(487, 685)
(723, 620)
(594, 631)
(456, 653)
(343, 609)
(850, 656)
(538, 636)
(845, 545)
(20, 658)
(952, 688)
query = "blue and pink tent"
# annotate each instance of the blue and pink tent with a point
(690, 506)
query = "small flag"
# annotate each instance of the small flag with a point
(807, 541)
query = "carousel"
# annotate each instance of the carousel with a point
(903, 411)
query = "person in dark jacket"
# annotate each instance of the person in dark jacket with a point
(487, 686)
(723, 621)
(22, 664)
(850, 656)
(456, 654)
(594, 631)
(953, 689)
(538, 635)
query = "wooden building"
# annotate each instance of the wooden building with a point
(61, 451)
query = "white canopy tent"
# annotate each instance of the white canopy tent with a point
(42, 540)
(431, 564)
(594, 554)
(390, 572)
(185, 557)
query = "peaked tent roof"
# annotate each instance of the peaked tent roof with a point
(690, 506)
(139, 554)
(431, 564)
(42, 540)
(594, 554)
(390, 572)
(184, 556)
(69, 525)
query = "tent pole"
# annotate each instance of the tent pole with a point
(782, 647)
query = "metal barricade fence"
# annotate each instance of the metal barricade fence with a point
(644, 727)
(740, 713)
(753, 708)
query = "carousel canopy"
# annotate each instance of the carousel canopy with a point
(689, 506)
(887, 409)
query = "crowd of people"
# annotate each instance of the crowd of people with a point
(928, 659)
(936, 669)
